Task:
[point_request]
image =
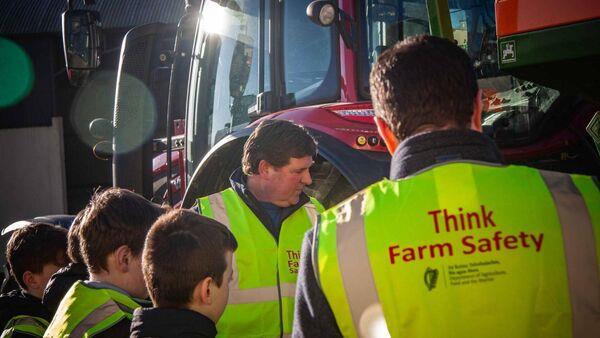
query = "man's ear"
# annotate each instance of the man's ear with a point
(477, 109)
(202, 292)
(391, 141)
(30, 280)
(123, 257)
(264, 168)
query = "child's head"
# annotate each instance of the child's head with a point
(187, 263)
(73, 242)
(35, 253)
(112, 234)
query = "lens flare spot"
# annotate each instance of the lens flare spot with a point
(133, 116)
(17, 72)
(95, 100)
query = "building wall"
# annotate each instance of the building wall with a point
(32, 179)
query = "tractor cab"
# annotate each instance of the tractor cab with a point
(310, 62)
(236, 62)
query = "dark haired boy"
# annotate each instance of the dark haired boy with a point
(268, 212)
(187, 265)
(111, 235)
(64, 278)
(34, 253)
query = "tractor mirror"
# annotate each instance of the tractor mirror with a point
(323, 13)
(82, 43)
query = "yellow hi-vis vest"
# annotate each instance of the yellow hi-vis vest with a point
(86, 311)
(28, 325)
(262, 292)
(465, 250)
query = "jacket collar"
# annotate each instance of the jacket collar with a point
(424, 150)
(239, 184)
(170, 322)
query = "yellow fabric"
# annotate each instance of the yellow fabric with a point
(30, 325)
(460, 250)
(100, 306)
(261, 263)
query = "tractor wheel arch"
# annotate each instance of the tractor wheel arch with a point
(338, 172)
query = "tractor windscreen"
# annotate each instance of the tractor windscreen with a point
(252, 58)
(512, 107)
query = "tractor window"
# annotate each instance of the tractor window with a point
(387, 22)
(224, 82)
(310, 68)
(235, 25)
(513, 108)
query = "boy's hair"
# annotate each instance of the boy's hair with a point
(276, 141)
(73, 242)
(423, 80)
(32, 247)
(114, 217)
(182, 249)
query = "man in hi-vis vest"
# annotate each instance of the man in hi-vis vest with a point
(268, 214)
(456, 243)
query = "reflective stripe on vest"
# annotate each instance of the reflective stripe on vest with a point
(264, 271)
(580, 252)
(465, 250)
(86, 310)
(30, 325)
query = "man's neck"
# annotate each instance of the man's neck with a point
(256, 187)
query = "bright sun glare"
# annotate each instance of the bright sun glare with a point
(215, 18)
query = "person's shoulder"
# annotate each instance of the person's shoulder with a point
(359, 196)
(61, 282)
(10, 296)
(220, 192)
(314, 203)
(17, 303)
(118, 330)
(592, 180)
(585, 183)
(16, 298)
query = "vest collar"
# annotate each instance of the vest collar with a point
(421, 151)
(103, 285)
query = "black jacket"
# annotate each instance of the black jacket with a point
(17, 303)
(61, 282)
(313, 316)
(165, 323)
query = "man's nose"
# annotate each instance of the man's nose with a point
(306, 179)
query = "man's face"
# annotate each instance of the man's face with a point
(286, 183)
(220, 294)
